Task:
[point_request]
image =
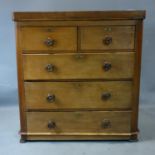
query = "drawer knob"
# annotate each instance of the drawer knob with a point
(106, 124)
(51, 125)
(49, 42)
(50, 98)
(106, 96)
(107, 66)
(107, 40)
(50, 68)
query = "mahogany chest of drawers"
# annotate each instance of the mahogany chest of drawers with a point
(78, 74)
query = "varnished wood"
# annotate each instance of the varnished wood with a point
(78, 66)
(78, 51)
(80, 134)
(82, 15)
(136, 81)
(81, 137)
(23, 124)
(33, 38)
(78, 23)
(78, 122)
(93, 37)
(78, 79)
(78, 95)
(105, 136)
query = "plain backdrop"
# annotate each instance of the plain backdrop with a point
(9, 117)
(8, 75)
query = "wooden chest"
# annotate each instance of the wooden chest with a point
(79, 74)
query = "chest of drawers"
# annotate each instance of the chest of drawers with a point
(78, 74)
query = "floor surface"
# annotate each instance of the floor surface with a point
(9, 138)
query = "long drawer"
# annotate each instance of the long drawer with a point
(78, 95)
(107, 37)
(70, 123)
(49, 38)
(79, 66)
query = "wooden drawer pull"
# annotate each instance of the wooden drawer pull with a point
(50, 68)
(107, 66)
(50, 98)
(106, 124)
(107, 40)
(49, 42)
(51, 125)
(105, 96)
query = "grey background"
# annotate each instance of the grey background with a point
(9, 119)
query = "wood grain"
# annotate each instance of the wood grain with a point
(81, 15)
(76, 66)
(136, 80)
(33, 38)
(19, 58)
(78, 137)
(79, 78)
(78, 122)
(79, 95)
(78, 23)
(93, 37)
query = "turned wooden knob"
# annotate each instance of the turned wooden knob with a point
(106, 124)
(50, 67)
(107, 40)
(106, 96)
(49, 42)
(50, 98)
(107, 66)
(51, 125)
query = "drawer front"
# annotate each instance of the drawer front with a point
(108, 37)
(75, 66)
(49, 38)
(78, 95)
(78, 122)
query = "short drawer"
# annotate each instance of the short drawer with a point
(78, 95)
(70, 123)
(48, 38)
(79, 66)
(107, 37)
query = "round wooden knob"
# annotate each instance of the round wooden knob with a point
(50, 68)
(106, 124)
(49, 42)
(107, 40)
(106, 96)
(107, 66)
(50, 98)
(51, 125)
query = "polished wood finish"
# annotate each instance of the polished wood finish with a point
(89, 122)
(75, 23)
(122, 37)
(82, 95)
(139, 35)
(79, 138)
(19, 57)
(79, 66)
(79, 74)
(85, 15)
(34, 38)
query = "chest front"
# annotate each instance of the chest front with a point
(78, 75)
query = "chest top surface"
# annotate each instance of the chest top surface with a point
(84, 15)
